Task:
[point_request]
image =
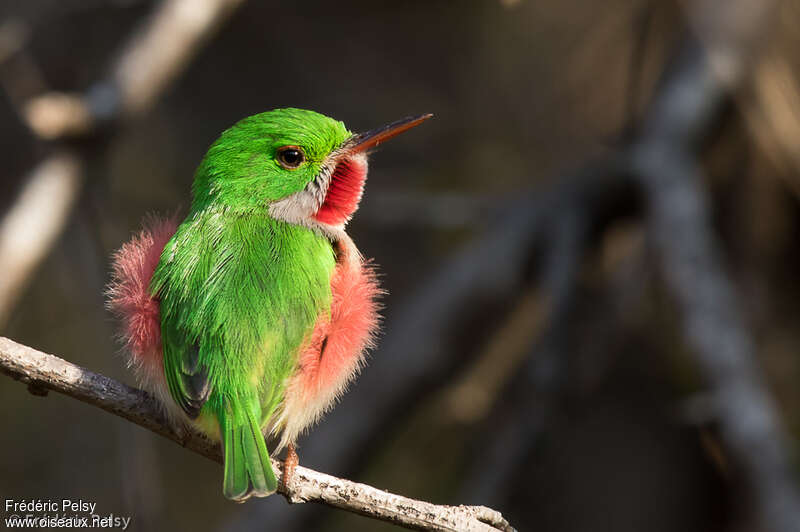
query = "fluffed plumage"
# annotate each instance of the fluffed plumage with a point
(251, 316)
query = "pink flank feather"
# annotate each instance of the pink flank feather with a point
(335, 351)
(129, 297)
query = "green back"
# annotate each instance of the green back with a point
(239, 293)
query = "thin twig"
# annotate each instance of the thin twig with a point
(43, 372)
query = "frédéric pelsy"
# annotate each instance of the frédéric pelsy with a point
(50, 505)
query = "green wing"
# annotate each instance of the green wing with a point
(238, 295)
(187, 377)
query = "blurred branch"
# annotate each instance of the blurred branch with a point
(58, 114)
(531, 398)
(410, 208)
(152, 58)
(775, 117)
(664, 160)
(29, 228)
(642, 29)
(13, 37)
(469, 399)
(164, 47)
(20, 75)
(43, 372)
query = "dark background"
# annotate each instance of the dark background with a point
(563, 388)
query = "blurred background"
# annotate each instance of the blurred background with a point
(590, 252)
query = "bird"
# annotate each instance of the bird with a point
(249, 318)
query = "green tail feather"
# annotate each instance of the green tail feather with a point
(248, 469)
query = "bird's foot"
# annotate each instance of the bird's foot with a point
(289, 464)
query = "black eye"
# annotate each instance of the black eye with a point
(290, 157)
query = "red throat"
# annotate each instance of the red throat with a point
(344, 191)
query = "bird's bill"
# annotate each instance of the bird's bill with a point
(361, 142)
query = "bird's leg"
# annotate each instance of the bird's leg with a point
(291, 461)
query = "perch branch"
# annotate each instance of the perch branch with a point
(43, 372)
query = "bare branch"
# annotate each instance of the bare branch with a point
(43, 372)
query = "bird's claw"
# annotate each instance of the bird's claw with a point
(289, 465)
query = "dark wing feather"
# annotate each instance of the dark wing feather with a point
(187, 378)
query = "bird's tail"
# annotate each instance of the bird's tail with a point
(248, 469)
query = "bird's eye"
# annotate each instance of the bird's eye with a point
(290, 157)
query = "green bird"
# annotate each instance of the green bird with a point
(250, 317)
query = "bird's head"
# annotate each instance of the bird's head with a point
(303, 167)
